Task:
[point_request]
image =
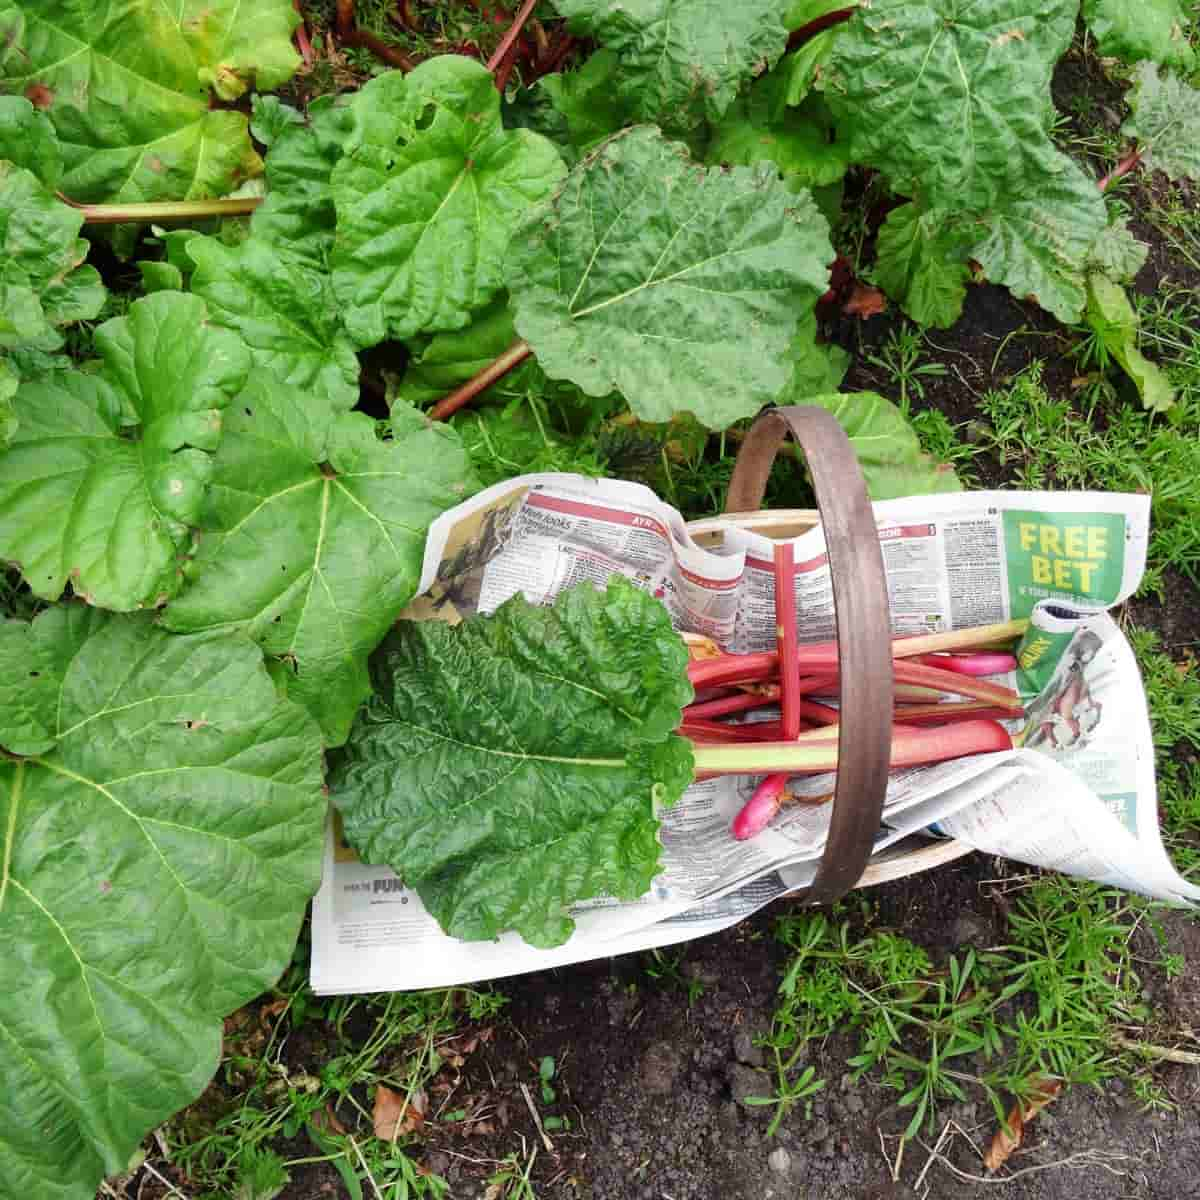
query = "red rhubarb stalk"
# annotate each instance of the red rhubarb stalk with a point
(726, 706)
(759, 811)
(786, 638)
(971, 664)
(939, 714)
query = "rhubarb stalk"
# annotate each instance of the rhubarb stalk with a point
(786, 638)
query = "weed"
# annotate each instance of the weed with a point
(511, 1180)
(228, 1139)
(900, 359)
(1041, 1005)
(663, 966)
(1048, 443)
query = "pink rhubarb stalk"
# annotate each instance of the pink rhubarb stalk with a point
(971, 664)
(759, 811)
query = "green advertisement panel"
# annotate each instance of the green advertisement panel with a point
(1063, 556)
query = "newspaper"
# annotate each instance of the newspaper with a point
(1076, 795)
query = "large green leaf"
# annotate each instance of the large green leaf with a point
(1117, 252)
(1115, 324)
(797, 140)
(126, 84)
(679, 287)
(944, 96)
(314, 537)
(285, 311)
(817, 367)
(1165, 121)
(298, 215)
(42, 284)
(27, 138)
(887, 447)
(8, 414)
(1143, 29)
(588, 99)
(107, 471)
(682, 61)
(510, 766)
(428, 193)
(155, 859)
(1037, 237)
(921, 261)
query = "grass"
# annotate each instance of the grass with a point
(990, 1023)
(296, 1087)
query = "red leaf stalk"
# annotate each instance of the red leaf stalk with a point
(508, 41)
(448, 405)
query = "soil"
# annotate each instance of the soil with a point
(652, 1084)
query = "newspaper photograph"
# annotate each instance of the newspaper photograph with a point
(1076, 794)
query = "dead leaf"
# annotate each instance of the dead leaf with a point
(396, 1114)
(1008, 1136)
(269, 1012)
(1013, 35)
(326, 1121)
(865, 302)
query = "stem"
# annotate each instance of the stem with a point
(806, 33)
(509, 39)
(757, 813)
(1127, 164)
(172, 210)
(939, 714)
(910, 748)
(448, 405)
(971, 664)
(785, 635)
(302, 42)
(728, 705)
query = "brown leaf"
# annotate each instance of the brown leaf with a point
(396, 1114)
(326, 1121)
(1008, 1136)
(865, 302)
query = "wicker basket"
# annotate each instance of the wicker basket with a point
(864, 637)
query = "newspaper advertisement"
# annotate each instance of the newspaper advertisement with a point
(1076, 794)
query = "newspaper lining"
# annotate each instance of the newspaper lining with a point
(1079, 796)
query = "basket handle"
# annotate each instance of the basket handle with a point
(863, 616)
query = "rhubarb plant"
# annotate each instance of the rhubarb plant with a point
(160, 830)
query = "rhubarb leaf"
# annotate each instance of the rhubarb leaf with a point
(8, 414)
(1036, 239)
(314, 537)
(1165, 122)
(797, 141)
(682, 61)
(1115, 324)
(922, 262)
(27, 139)
(298, 215)
(285, 312)
(588, 100)
(107, 471)
(1117, 253)
(428, 193)
(43, 285)
(241, 46)
(799, 72)
(125, 86)
(887, 447)
(945, 97)
(1148, 29)
(817, 368)
(636, 275)
(438, 364)
(510, 767)
(155, 860)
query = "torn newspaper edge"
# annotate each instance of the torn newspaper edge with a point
(1079, 796)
